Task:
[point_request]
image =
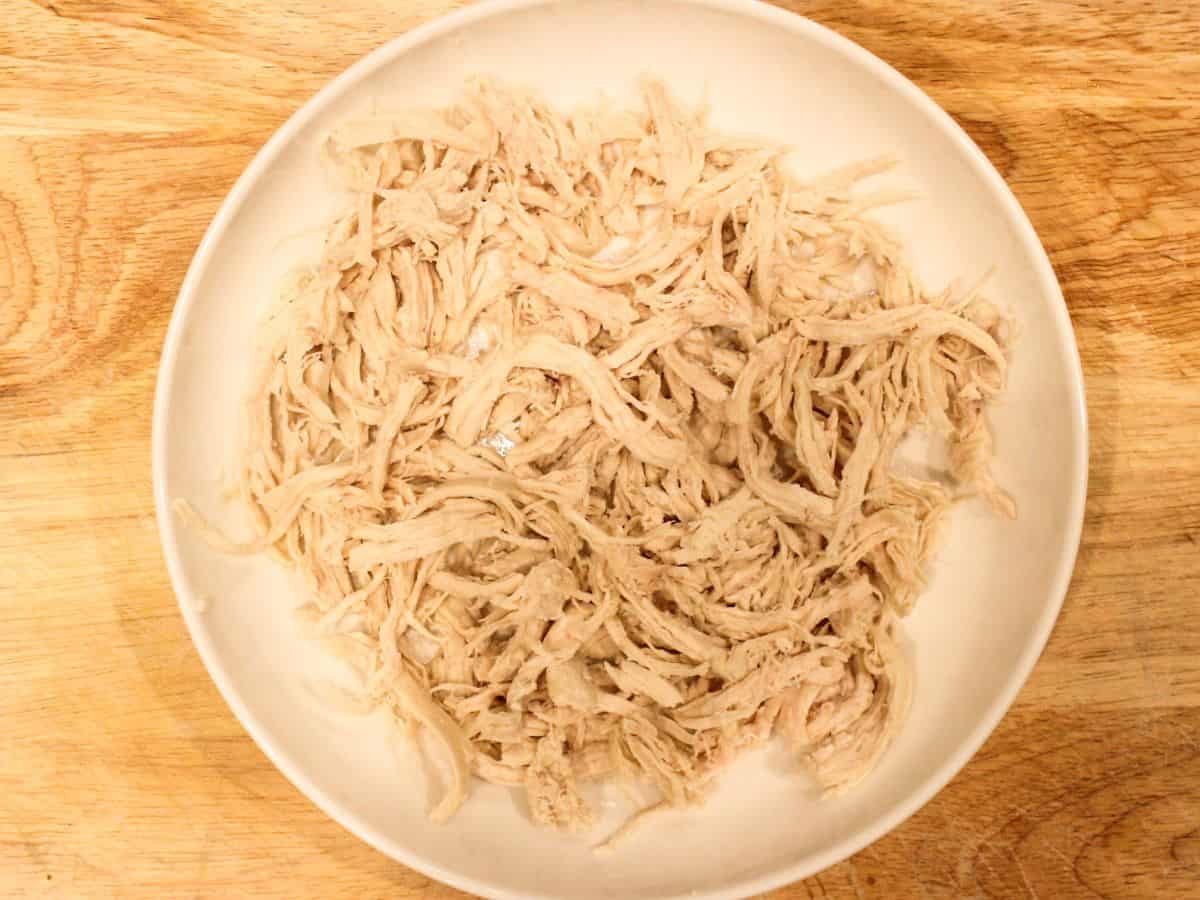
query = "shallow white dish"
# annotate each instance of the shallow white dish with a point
(998, 585)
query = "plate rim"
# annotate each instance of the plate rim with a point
(429, 31)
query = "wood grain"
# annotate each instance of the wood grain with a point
(122, 125)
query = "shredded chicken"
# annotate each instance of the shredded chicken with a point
(581, 431)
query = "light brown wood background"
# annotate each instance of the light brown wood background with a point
(122, 125)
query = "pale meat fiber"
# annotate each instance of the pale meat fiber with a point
(581, 431)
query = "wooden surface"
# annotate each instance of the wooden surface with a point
(122, 125)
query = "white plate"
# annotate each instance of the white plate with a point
(998, 585)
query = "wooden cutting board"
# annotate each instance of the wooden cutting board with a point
(122, 125)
